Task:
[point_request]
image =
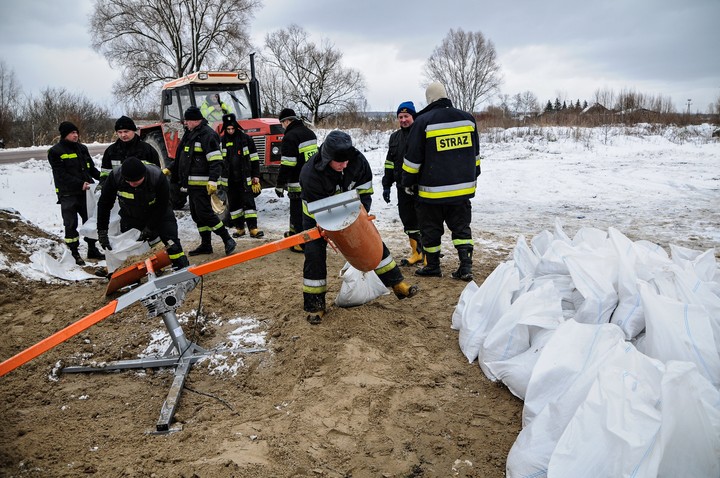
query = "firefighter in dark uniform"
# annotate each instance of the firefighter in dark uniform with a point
(393, 174)
(128, 144)
(197, 168)
(73, 172)
(144, 197)
(441, 166)
(338, 167)
(298, 144)
(242, 165)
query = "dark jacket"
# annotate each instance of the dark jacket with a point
(395, 155)
(198, 158)
(146, 204)
(72, 166)
(319, 180)
(120, 150)
(298, 145)
(443, 155)
(242, 162)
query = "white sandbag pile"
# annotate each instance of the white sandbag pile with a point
(613, 345)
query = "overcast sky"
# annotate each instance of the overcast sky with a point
(554, 48)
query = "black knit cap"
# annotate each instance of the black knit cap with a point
(133, 169)
(287, 114)
(229, 120)
(193, 113)
(337, 147)
(124, 122)
(66, 128)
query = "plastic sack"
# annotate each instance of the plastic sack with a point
(358, 287)
(560, 381)
(619, 418)
(679, 331)
(124, 245)
(487, 305)
(465, 298)
(89, 228)
(538, 309)
(65, 268)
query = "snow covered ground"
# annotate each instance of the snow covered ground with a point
(662, 185)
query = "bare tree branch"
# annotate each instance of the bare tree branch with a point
(311, 76)
(153, 41)
(466, 64)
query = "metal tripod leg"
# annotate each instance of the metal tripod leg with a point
(181, 354)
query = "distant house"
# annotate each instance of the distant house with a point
(595, 109)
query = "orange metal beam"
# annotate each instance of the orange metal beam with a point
(57, 338)
(255, 252)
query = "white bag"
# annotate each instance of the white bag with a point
(487, 305)
(123, 246)
(679, 331)
(358, 287)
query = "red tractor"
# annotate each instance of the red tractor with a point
(216, 93)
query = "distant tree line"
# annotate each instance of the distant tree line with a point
(153, 41)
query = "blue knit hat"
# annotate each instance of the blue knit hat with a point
(406, 107)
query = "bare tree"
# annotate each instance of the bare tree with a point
(9, 101)
(43, 114)
(530, 103)
(466, 64)
(153, 41)
(316, 77)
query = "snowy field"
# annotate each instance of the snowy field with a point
(658, 185)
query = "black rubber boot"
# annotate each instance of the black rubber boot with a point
(464, 272)
(227, 240)
(205, 246)
(76, 255)
(432, 268)
(93, 252)
(181, 262)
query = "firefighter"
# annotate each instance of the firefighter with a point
(128, 144)
(242, 165)
(144, 197)
(197, 168)
(73, 172)
(393, 174)
(338, 167)
(441, 166)
(298, 144)
(213, 108)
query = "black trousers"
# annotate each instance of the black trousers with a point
(296, 213)
(242, 206)
(202, 212)
(70, 208)
(407, 211)
(456, 216)
(315, 270)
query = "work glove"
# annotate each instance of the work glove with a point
(256, 188)
(166, 172)
(211, 188)
(409, 191)
(104, 240)
(147, 235)
(386, 195)
(280, 191)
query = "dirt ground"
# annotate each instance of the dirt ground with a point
(380, 390)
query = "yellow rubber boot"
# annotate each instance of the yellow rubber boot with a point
(403, 290)
(416, 255)
(239, 232)
(256, 233)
